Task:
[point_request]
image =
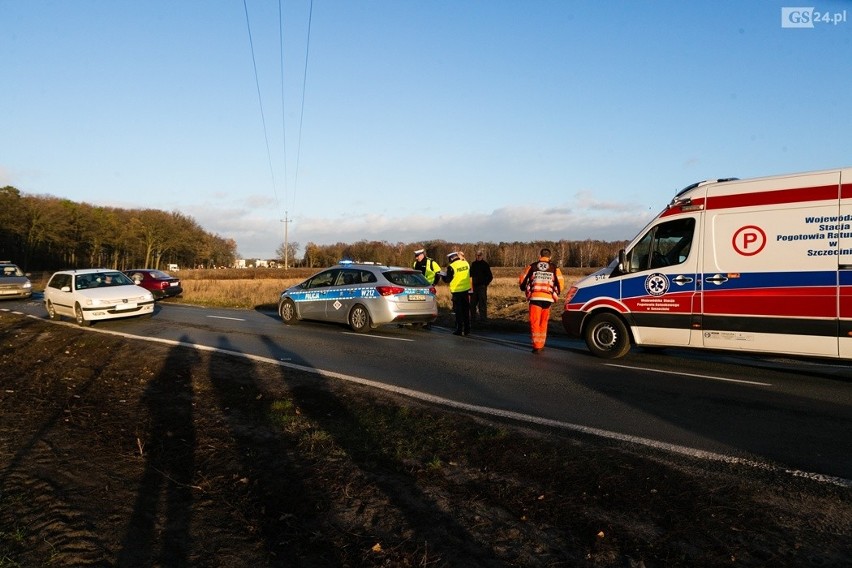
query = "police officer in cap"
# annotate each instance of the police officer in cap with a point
(458, 278)
(427, 266)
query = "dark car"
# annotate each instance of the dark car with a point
(161, 284)
(13, 282)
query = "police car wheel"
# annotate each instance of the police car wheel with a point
(607, 336)
(359, 319)
(287, 311)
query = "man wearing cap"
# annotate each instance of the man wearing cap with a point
(430, 269)
(458, 278)
(542, 281)
(427, 266)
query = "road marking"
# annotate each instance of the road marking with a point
(710, 377)
(226, 318)
(371, 336)
(496, 412)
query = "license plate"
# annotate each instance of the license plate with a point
(127, 306)
(416, 298)
(172, 283)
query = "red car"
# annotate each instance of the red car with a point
(161, 284)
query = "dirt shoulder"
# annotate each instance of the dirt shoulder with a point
(125, 453)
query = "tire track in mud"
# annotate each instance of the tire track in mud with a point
(44, 501)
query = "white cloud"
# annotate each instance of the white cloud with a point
(590, 218)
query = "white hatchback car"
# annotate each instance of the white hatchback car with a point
(95, 294)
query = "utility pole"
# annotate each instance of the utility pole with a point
(286, 222)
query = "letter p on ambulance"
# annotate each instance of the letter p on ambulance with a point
(749, 240)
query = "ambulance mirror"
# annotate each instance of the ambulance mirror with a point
(621, 261)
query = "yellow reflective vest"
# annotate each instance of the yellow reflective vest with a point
(429, 268)
(460, 281)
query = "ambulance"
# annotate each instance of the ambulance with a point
(759, 265)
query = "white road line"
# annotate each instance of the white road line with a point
(710, 377)
(226, 318)
(371, 336)
(517, 416)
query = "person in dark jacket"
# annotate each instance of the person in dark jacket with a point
(481, 276)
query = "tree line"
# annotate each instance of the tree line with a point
(580, 254)
(46, 232)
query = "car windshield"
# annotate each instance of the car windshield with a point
(101, 280)
(9, 271)
(406, 278)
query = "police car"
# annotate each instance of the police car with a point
(362, 295)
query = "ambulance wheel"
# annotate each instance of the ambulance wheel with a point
(359, 319)
(607, 336)
(287, 311)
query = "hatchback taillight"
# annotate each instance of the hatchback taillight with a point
(390, 290)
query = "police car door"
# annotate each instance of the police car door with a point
(313, 300)
(341, 300)
(660, 287)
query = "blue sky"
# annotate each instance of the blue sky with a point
(487, 120)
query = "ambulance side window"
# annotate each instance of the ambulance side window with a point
(666, 244)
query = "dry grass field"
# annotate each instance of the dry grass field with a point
(259, 289)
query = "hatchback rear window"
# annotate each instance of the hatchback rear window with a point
(406, 278)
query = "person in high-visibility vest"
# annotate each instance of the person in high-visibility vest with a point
(427, 266)
(430, 269)
(542, 281)
(458, 278)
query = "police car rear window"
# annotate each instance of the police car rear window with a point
(406, 278)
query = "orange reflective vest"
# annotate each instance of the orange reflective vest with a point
(542, 281)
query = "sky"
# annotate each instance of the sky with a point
(415, 120)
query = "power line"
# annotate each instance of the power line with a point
(283, 106)
(302, 110)
(260, 102)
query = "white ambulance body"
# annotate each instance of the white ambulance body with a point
(762, 265)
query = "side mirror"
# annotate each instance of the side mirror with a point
(622, 259)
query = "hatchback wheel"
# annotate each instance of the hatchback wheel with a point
(78, 315)
(51, 311)
(359, 319)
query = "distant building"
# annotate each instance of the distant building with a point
(240, 263)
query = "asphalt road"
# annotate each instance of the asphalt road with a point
(782, 413)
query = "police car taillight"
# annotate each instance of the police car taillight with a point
(433, 290)
(390, 290)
